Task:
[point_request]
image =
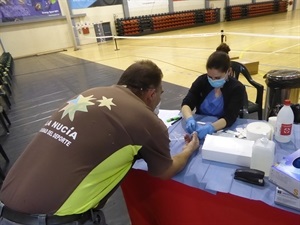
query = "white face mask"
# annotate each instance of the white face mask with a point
(156, 110)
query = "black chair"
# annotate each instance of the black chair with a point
(5, 90)
(3, 120)
(249, 107)
(3, 153)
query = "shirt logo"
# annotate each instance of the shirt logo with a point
(81, 103)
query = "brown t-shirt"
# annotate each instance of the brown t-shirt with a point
(83, 151)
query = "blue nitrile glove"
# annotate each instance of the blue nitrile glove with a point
(203, 130)
(191, 125)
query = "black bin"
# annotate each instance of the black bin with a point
(281, 85)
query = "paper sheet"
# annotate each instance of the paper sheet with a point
(164, 115)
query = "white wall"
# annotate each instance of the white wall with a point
(36, 38)
(96, 15)
(218, 4)
(30, 39)
(42, 37)
(188, 5)
(147, 7)
(242, 2)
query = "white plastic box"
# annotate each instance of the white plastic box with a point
(227, 150)
(285, 175)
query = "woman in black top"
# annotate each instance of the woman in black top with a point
(214, 93)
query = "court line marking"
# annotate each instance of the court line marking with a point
(279, 50)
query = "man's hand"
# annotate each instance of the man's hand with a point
(181, 159)
(191, 142)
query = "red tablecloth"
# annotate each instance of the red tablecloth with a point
(151, 201)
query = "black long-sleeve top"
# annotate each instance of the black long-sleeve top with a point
(233, 94)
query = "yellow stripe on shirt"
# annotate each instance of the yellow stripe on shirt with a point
(99, 182)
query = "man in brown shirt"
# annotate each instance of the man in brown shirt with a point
(86, 148)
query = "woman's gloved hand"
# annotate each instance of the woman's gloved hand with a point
(203, 130)
(191, 125)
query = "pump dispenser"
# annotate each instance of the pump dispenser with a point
(263, 152)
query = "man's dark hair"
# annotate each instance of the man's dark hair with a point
(140, 76)
(218, 60)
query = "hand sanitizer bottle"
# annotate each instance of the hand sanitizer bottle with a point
(263, 152)
(284, 123)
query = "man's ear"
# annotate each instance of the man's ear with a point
(150, 93)
(148, 96)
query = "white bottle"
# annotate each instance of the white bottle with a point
(263, 152)
(284, 123)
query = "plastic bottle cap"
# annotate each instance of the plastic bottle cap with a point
(287, 102)
(264, 139)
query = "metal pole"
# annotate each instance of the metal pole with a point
(70, 24)
(171, 6)
(116, 44)
(223, 36)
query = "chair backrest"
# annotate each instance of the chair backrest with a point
(239, 68)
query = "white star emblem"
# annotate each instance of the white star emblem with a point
(106, 102)
(75, 105)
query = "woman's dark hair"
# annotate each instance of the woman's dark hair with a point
(218, 60)
(140, 76)
(223, 47)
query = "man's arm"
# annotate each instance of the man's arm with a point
(180, 160)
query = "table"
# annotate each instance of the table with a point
(197, 194)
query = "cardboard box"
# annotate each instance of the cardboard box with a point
(284, 198)
(285, 175)
(251, 66)
(227, 150)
